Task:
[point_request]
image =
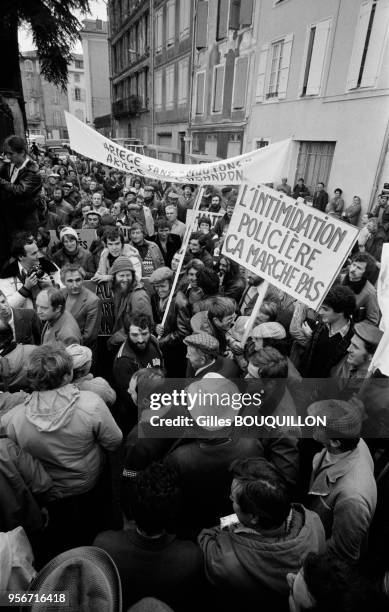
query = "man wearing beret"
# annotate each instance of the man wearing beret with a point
(342, 490)
(350, 373)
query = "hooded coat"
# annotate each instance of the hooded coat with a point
(250, 562)
(67, 429)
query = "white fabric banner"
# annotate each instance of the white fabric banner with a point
(381, 356)
(266, 165)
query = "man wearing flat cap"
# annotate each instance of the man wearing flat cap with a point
(350, 373)
(203, 357)
(342, 490)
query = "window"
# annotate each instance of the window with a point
(158, 30)
(57, 118)
(158, 90)
(55, 99)
(218, 84)
(314, 162)
(260, 143)
(170, 22)
(369, 44)
(28, 66)
(169, 86)
(211, 145)
(77, 77)
(77, 93)
(201, 24)
(315, 58)
(183, 77)
(222, 19)
(234, 145)
(33, 107)
(240, 83)
(273, 69)
(79, 64)
(140, 37)
(200, 89)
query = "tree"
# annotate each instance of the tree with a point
(54, 29)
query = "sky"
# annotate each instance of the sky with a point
(98, 11)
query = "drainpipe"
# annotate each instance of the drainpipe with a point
(151, 73)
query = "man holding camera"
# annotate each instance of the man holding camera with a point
(22, 279)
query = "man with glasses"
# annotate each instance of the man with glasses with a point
(20, 186)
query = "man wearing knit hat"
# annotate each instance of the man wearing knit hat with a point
(71, 252)
(342, 490)
(129, 295)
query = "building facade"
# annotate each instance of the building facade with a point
(129, 40)
(321, 78)
(33, 94)
(223, 57)
(77, 88)
(94, 38)
(46, 103)
(172, 67)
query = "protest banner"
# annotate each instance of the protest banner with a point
(213, 216)
(295, 247)
(183, 248)
(264, 165)
(85, 237)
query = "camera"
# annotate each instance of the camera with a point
(39, 272)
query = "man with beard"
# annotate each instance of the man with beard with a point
(129, 295)
(152, 202)
(361, 267)
(61, 207)
(139, 350)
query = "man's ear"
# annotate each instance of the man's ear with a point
(334, 444)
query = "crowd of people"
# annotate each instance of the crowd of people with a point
(265, 519)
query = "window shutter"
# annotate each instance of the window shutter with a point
(318, 58)
(222, 16)
(170, 22)
(376, 44)
(201, 24)
(359, 43)
(234, 15)
(259, 92)
(246, 13)
(73, 93)
(184, 18)
(218, 89)
(240, 82)
(82, 95)
(200, 93)
(284, 67)
(158, 89)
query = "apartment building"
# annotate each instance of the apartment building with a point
(45, 103)
(321, 78)
(77, 88)
(173, 29)
(94, 38)
(129, 41)
(223, 58)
